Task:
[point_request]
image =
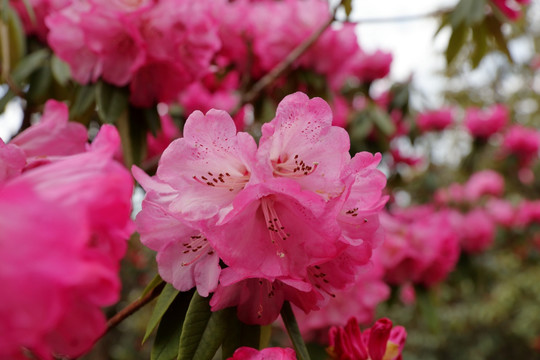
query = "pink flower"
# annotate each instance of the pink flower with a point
(522, 142)
(510, 8)
(420, 246)
(486, 182)
(246, 353)
(477, 231)
(53, 136)
(370, 67)
(57, 279)
(185, 258)
(41, 9)
(528, 212)
(502, 212)
(169, 132)
(12, 161)
(484, 123)
(435, 120)
(380, 342)
(359, 300)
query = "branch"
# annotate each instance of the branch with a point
(133, 307)
(284, 65)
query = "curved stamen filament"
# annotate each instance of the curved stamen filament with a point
(197, 245)
(275, 227)
(319, 280)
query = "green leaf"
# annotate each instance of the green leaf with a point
(40, 83)
(195, 323)
(151, 285)
(494, 26)
(84, 98)
(361, 127)
(60, 70)
(16, 38)
(477, 12)
(456, 42)
(163, 303)
(29, 64)
(240, 334)
(460, 13)
(134, 141)
(289, 320)
(152, 119)
(214, 334)
(347, 5)
(382, 121)
(4, 100)
(165, 345)
(111, 102)
(480, 34)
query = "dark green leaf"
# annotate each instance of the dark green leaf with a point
(361, 127)
(480, 44)
(456, 42)
(29, 64)
(477, 12)
(214, 334)
(347, 5)
(382, 121)
(40, 83)
(84, 98)
(289, 320)
(153, 284)
(153, 121)
(494, 26)
(197, 318)
(60, 70)
(459, 16)
(111, 102)
(165, 300)
(240, 334)
(170, 328)
(137, 131)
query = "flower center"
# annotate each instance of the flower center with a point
(275, 227)
(196, 248)
(318, 278)
(223, 181)
(293, 167)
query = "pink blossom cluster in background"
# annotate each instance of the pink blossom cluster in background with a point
(484, 123)
(294, 219)
(58, 279)
(247, 353)
(196, 52)
(382, 341)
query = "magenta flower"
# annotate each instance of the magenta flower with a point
(380, 342)
(484, 123)
(523, 142)
(510, 8)
(486, 182)
(59, 278)
(477, 231)
(435, 120)
(247, 353)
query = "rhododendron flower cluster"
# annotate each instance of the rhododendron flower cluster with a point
(421, 246)
(435, 120)
(522, 142)
(382, 341)
(65, 215)
(359, 300)
(484, 123)
(293, 219)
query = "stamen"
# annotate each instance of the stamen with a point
(319, 280)
(231, 183)
(275, 227)
(199, 245)
(297, 169)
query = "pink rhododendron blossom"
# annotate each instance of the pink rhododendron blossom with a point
(435, 120)
(12, 161)
(57, 279)
(523, 142)
(502, 212)
(380, 342)
(477, 231)
(247, 353)
(420, 246)
(53, 136)
(486, 182)
(528, 212)
(510, 8)
(35, 25)
(484, 123)
(359, 300)
(369, 67)
(304, 211)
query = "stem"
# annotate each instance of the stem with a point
(133, 307)
(291, 325)
(284, 65)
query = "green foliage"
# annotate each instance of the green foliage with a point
(165, 299)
